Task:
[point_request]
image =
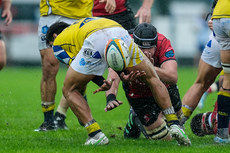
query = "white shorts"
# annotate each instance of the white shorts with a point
(90, 59)
(211, 52)
(221, 28)
(44, 23)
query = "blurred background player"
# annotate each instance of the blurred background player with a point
(7, 15)
(208, 69)
(144, 107)
(119, 11)
(221, 28)
(206, 123)
(192, 97)
(122, 13)
(51, 12)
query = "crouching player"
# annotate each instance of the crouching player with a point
(144, 108)
(82, 44)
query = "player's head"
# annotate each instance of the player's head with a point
(200, 124)
(55, 28)
(145, 35)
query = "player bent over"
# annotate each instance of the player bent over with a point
(83, 43)
(161, 54)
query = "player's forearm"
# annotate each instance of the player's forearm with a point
(112, 75)
(167, 76)
(147, 3)
(6, 4)
(160, 93)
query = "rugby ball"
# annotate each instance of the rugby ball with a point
(117, 54)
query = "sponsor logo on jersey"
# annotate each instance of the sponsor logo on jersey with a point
(45, 29)
(82, 62)
(88, 52)
(169, 54)
(96, 55)
(43, 38)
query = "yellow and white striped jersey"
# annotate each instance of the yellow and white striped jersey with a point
(75, 9)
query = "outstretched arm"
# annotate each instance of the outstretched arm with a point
(144, 12)
(111, 94)
(6, 13)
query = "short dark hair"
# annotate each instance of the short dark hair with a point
(57, 28)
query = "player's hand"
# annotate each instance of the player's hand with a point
(131, 76)
(106, 86)
(8, 16)
(144, 15)
(112, 104)
(210, 24)
(110, 5)
(149, 55)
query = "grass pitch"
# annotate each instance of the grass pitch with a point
(20, 114)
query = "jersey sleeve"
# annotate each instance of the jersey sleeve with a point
(166, 52)
(62, 55)
(137, 56)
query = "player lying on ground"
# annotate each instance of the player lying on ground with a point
(82, 44)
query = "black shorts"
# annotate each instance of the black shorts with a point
(126, 19)
(147, 109)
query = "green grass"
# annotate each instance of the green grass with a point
(20, 114)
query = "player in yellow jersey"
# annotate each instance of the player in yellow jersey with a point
(52, 11)
(120, 12)
(221, 27)
(83, 43)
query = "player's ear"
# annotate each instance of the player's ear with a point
(55, 35)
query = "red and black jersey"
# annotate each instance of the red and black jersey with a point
(99, 8)
(164, 52)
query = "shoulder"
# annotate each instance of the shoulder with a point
(162, 40)
(161, 37)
